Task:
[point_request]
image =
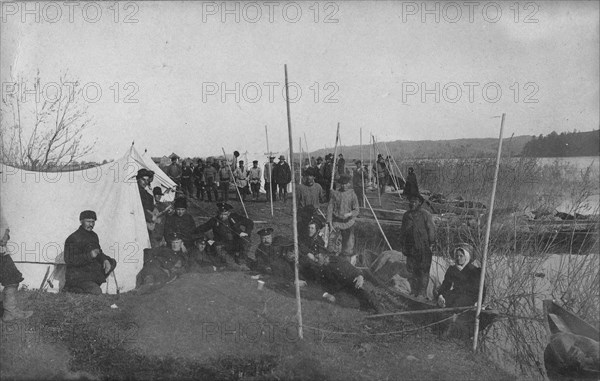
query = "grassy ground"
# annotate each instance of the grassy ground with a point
(220, 326)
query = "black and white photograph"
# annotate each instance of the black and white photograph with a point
(300, 190)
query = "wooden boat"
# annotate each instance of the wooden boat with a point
(567, 355)
(410, 303)
(382, 214)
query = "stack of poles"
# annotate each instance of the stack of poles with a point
(307, 150)
(269, 191)
(294, 210)
(392, 172)
(487, 238)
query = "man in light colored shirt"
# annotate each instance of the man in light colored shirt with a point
(341, 215)
(254, 175)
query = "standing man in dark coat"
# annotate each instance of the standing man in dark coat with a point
(210, 177)
(359, 175)
(87, 266)
(143, 178)
(186, 179)
(411, 188)
(199, 180)
(270, 185)
(417, 236)
(282, 176)
(231, 233)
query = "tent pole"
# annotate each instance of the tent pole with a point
(269, 192)
(236, 187)
(487, 236)
(294, 211)
(307, 150)
(377, 172)
(300, 166)
(362, 165)
(337, 136)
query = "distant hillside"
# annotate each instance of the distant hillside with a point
(565, 144)
(457, 148)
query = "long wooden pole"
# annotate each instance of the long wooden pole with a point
(337, 137)
(418, 312)
(307, 150)
(378, 224)
(269, 192)
(294, 211)
(234, 183)
(362, 173)
(300, 166)
(487, 237)
(377, 172)
(392, 171)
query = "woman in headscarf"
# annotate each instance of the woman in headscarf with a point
(461, 282)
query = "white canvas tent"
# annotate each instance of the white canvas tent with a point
(160, 177)
(42, 209)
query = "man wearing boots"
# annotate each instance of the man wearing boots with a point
(231, 233)
(417, 236)
(87, 266)
(254, 175)
(341, 215)
(10, 278)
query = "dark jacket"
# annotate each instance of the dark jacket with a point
(184, 226)
(411, 188)
(460, 288)
(417, 234)
(282, 174)
(227, 231)
(81, 266)
(147, 203)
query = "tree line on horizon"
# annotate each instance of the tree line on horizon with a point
(565, 144)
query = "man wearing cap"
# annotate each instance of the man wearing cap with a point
(186, 179)
(10, 277)
(231, 233)
(200, 259)
(282, 174)
(411, 187)
(210, 178)
(417, 236)
(254, 175)
(359, 175)
(181, 223)
(310, 196)
(240, 176)
(270, 186)
(87, 266)
(162, 264)
(224, 179)
(265, 252)
(143, 180)
(199, 182)
(342, 211)
(174, 171)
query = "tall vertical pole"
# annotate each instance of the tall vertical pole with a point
(300, 166)
(377, 172)
(487, 237)
(234, 182)
(307, 150)
(269, 192)
(362, 173)
(294, 211)
(337, 137)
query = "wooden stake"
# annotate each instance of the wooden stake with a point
(377, 172)
(378, 224)
(307, 150)
(269, 193)
(294, 211)
(487, 237)
(234, 183)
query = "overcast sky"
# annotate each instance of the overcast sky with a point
(179, 67)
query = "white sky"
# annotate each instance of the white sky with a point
(177, 49)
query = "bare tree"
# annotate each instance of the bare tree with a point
(42, 127)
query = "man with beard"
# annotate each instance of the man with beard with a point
(417, 236)
(231, 232)
(87, 266)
